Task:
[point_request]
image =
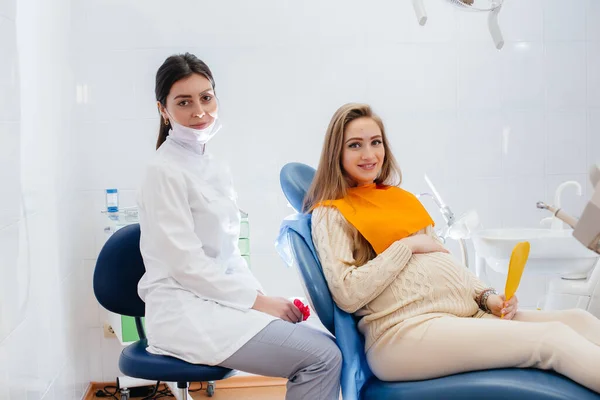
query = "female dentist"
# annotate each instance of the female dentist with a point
(203, 305)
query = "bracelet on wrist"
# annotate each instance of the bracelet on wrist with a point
(483, 297)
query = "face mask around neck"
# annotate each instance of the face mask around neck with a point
(191, 135)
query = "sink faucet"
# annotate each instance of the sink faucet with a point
(557, 223)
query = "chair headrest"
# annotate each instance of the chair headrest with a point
(295, 179)
(118, 271)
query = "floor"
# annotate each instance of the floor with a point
(256, 393)
(260, 393)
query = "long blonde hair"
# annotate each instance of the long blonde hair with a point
(331, 181)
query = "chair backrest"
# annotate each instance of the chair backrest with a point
(313, 280)
(295, 179)
(118, 271)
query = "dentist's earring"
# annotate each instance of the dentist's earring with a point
(166, 122)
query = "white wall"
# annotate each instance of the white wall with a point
(43, 349)
(11, 219)
(495, 130)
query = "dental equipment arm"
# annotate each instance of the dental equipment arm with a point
(448, 217)
(420, 11)
(587, 229)
(558, 213)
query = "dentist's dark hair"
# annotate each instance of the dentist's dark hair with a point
(174, 68)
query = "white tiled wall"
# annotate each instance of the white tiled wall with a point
(12, 287)
(495, 130)
(43, 349)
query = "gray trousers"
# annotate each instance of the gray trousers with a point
(308, 358)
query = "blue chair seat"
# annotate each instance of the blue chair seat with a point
(118, 271)
(495, 384)
(136, 362)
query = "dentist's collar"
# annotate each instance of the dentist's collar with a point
(195, 147)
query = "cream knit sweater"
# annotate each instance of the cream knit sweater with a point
(395, 288)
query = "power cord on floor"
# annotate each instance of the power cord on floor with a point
(112, 391)
(159, 394)
(196, 390)
(154, 391)
(106, 393)
(166, 392)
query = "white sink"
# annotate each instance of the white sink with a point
(553, 252)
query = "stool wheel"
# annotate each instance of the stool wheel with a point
(210, 389)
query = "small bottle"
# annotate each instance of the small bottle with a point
(244, 239)
(112, 203)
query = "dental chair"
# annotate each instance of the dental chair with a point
(118, 270)
(295, 246)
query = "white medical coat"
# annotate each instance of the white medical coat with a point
(197, 287)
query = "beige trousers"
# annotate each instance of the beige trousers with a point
(565, 341)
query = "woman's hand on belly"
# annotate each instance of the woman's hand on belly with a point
(423, 243)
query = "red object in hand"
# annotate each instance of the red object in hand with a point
(304, 309)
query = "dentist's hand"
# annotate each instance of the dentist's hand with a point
(278, 307)
(498, 305)
(422, 243)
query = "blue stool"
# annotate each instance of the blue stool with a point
(358, 382)
(118, 270)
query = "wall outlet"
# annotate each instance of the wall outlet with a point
(108, 331)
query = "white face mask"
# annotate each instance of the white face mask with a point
(191, 135)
